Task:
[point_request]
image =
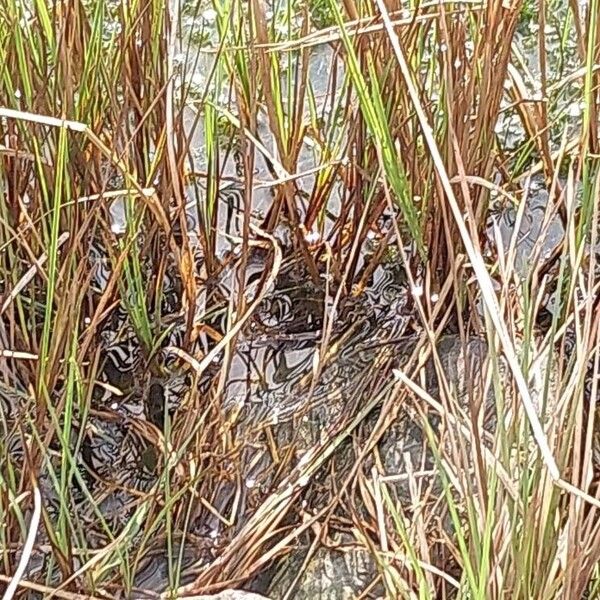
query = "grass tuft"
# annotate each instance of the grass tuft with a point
(151, 151)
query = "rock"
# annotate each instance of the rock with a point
(331, 574)
(229, 595)
(405, 439)
(347, 573)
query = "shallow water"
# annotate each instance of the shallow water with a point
(274, 355)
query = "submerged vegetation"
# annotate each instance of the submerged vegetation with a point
(167, 167)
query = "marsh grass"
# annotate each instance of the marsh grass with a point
(99, 102)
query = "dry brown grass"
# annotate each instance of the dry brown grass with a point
(407, 132)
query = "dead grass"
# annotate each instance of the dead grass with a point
(97, 105)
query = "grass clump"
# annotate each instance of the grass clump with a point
(150, 152)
